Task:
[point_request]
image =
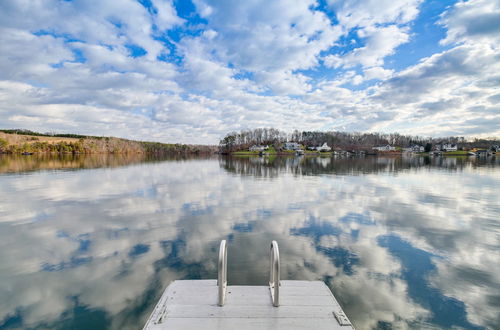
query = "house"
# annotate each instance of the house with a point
(258, 148)
(445, 147)
(292, 146)
(415, 148)
(495, 148)
(385, 148)
(324, 147)
(449, 147)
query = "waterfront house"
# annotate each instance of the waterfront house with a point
(415, 148)
(445, 147)
(449, 147)
(292, 146)
(385, 148)
(324, 147)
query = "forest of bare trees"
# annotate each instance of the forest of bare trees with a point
(242, 140)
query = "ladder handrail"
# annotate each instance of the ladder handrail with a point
(274, 276)
(222, 272)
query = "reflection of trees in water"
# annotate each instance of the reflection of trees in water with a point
(19, 163)
(265, 167)
(271, 167)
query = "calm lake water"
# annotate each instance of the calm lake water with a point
(91, 242)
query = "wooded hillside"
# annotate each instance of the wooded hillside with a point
(23, 141)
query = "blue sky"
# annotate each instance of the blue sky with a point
(191, 71)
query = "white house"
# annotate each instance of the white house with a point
(385, 148)
(449, 147)
(324, 147)
(292, 146)
(415, 148)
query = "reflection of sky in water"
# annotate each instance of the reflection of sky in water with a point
(402, 242)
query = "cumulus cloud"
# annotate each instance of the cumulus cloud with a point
(472, 21)
(270, 39)
(381, 26)
(380, 42)
(372, 12)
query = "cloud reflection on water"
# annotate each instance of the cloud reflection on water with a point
(103, 243)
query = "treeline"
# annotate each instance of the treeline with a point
(28, 132)
(235, 141)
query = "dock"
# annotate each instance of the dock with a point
(211, 304)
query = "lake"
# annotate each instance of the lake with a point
(90, 242)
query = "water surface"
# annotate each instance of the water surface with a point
(91, 242)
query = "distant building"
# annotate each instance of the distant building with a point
(445, 147)
(385, 148)
(449, 147)
(292, 146)
(324, 147)
(415, 148)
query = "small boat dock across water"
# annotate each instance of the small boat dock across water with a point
(211, 304)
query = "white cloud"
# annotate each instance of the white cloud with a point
(269, 38)
(368, 13)
(166, 16)
(472, 22)
(380, 42)
(17, 60)
(377, 73)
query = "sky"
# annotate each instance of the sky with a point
(190, 71)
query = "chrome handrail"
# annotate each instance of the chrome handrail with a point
(222, 273)
(274, 276)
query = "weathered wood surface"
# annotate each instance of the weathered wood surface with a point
(193, 305)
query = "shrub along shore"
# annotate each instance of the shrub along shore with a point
(28, 142)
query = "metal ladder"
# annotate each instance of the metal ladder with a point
(274, 274)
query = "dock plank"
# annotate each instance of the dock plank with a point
(247, 324)
(193, 305)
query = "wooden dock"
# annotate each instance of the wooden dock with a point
(203, 304)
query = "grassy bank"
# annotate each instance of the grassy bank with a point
(455, 153)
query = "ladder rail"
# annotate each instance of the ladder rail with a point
(274, 276)
(222, 273)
